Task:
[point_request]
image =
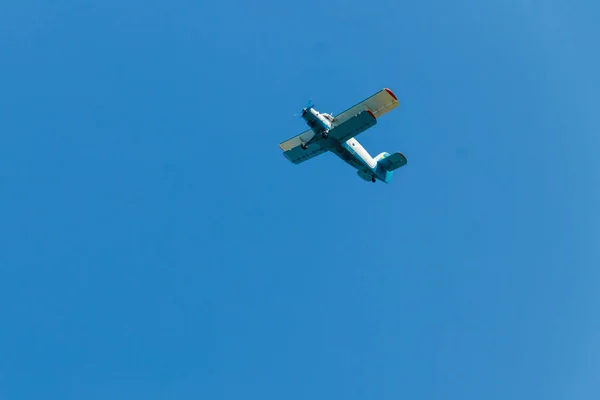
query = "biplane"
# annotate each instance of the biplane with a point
(337, 134)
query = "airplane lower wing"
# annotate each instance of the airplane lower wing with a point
(296, 154)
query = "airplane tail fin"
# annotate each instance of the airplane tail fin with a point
(387, 163)
(392, 161)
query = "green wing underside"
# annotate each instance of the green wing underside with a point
(353, 126)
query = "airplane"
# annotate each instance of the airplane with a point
(338, 135)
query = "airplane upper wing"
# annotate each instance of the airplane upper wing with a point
(380, 103)
(296, 154)
(346, 125)
(353, 125)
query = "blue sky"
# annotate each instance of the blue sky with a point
(155, 243)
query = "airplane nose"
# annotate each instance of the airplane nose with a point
(303, 112)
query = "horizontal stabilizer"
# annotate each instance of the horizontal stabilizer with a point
(393, 161)
(365, 176)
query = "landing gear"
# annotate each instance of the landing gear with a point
(304, 145)
(373, 179)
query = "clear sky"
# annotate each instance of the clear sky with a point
(155, 243)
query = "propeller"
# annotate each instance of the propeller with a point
(306, 107)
